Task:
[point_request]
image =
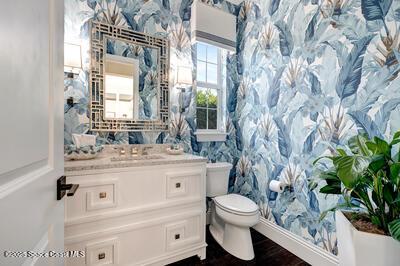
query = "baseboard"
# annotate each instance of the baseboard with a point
(307, 251)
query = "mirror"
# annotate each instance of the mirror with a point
(121, 87)
(129, 80)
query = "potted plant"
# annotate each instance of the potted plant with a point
(366, 174)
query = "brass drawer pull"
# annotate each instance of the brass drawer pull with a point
(102, 195)
(102, 256)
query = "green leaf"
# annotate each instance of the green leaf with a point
(371, 146)
(312, 185)
(328, 189)
(382, 146)
(374, 196)
(377, 163)
(395, 172)
(397, 200)
(375, 220)
(324, 213)
(329, 175)
(357, 145)
(394, 142)
(396, 135)
(388, 194)
(394, 229)
(350, 169)
(355, 196)
(341, 152)
(322, 157)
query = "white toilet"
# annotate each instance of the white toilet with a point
(232, 215)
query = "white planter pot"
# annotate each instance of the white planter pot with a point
(358, 248)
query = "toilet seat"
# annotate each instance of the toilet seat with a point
(236, 204)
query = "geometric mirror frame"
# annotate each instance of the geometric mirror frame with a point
(99, 33)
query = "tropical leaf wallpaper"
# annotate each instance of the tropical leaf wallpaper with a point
(307, 75)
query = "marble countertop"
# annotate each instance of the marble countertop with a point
(104, 161)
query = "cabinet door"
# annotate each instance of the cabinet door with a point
(139, 190)
(144, 242)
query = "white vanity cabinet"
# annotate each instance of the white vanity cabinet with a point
(140, 215)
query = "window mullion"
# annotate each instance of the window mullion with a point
(206, 64)
(219, 80)
(208, 106)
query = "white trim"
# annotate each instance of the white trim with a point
(29, 175)
(209, 135)
(196, 38)
(199, 250)
(303, 249)
(112, 213)
(118, 229)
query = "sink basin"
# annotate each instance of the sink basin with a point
(137, 158)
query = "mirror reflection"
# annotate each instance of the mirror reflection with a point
(131, 81)
(121, 87)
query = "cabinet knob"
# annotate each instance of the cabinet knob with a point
(177, 236)
(102, 256)
(102, 195)
(178, 185)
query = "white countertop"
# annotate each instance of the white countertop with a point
(103, 161)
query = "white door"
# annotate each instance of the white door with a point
(31, 129)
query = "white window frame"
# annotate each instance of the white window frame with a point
(219, 134)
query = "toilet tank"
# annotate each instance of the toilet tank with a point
(217, 179)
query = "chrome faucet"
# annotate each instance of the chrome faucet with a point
(122, 151)
(134, 151)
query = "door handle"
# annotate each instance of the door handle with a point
(64, 188)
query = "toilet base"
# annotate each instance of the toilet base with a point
(234, 239)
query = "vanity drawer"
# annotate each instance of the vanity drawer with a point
(183, 184)
(177, 234)
(144, 243)
(103, 252)
(140, 190)
(93, 197)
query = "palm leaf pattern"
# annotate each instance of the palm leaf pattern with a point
(305, 77)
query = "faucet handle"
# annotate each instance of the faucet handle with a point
(134, 151)
(122, 151)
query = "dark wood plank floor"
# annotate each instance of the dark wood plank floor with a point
(266, 253)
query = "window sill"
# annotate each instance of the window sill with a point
(207, 136)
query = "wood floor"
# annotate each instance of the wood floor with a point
(266, 251)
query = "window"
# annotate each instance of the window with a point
(211, 86)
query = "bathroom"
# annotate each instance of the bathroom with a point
(200, 132)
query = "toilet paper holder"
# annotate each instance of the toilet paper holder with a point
(277, 186)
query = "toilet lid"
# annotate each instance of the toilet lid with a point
(236, 203)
